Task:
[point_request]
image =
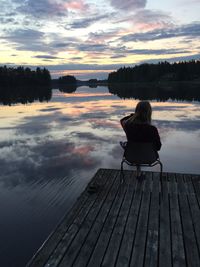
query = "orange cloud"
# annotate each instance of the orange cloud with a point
(82, 150)
(150, 26)
(76, 5)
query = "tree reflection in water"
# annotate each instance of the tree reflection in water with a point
(161, 91)
(24, 94)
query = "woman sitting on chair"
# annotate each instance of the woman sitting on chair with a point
(138, 128)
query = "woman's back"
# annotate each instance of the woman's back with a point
(144, 133)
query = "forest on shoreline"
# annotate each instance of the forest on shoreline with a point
(146, 81)
(23, 85)
(162, 71)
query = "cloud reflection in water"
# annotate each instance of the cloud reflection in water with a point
(49, 151)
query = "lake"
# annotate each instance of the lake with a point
(49, 151)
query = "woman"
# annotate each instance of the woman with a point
(138, 127)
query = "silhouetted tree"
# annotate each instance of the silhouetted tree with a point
(68, 79)
(162, 71)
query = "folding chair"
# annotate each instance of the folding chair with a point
(140, 154)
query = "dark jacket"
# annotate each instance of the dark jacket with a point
(141, 132)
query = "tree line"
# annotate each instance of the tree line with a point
(162, 71)
(21, 76)
(23, 85)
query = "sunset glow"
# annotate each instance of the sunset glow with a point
(96, 37)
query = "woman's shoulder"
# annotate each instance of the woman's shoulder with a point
(152, 126)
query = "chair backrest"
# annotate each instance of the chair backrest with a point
(140, 153)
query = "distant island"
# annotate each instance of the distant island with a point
(68, 82)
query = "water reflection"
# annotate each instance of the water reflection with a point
(24, 95)
(67, 88)
(188, 91)
(49, 151)
(160, 91)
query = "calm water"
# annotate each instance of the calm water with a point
(50, 151)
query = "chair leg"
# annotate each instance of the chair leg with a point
(122, 173)
(161, 169)
(138, 171)
(161, 182)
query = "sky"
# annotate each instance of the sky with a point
(90, 38)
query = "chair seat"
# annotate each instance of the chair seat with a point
(140, 153)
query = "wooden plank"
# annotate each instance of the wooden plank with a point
(100, 247)
(125, 251)
(54, 238)
(94, 247)
(113, 247)
(165, 255)
(151, 256)
(138, 253)
(195, 214)
(192, 254)
(188, 183)
(73, 229)
(196, 185)
(172, 183)
(178, 253)
(182, 188)
(107, 196)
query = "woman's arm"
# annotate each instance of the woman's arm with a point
(157, 141)
(124, 120)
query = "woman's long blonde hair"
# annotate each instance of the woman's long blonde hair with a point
(143, 113)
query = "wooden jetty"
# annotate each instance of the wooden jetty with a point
(149, 222)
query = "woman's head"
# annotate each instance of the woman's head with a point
(143, 112)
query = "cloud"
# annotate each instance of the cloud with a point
(103, 35)
(46, 9)
(173, 59)
(123, 51)
(104, 124)
(86, 22)
(187, 31)
(26, 39)
(36, 40)
(8, 20)
(76, 58)
(47, 57)
(92, 47)
(79, 5)
(156, 51)
(147, 19)
(128, 4)
(42, 9)
(118, 56)
(44, 158)
(49, 109)
(89, 136)
(185, 125)
(43, 123)
(73, 66)
(58, 42)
